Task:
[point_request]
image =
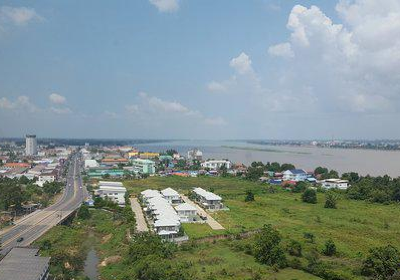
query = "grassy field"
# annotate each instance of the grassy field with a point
(355, 227)
(220, 261)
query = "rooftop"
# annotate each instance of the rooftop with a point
(23, 264)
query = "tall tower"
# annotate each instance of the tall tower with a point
(30, 145)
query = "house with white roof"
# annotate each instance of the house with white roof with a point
(297, 175)
(207, 200)
(335, 184)
(171, 195)
(114, 191)
(148, 194)
(186, 212)
(166, 220)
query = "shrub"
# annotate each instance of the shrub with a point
(294, 248)
(309, 196)
(330, 201)
(249, 196)
(330, 248)
(267, 248)
(309, 237)
(381, 263)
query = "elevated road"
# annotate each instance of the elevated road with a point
(37, 223)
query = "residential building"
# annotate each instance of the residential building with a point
(31, 145)
(207, 200)
(47, 177)
(295, 175)
(195, 154)
(335, 184)
(166, 221)
(112, 190)
(24, 264)
(171, 195)
(186, 212)
(143, 166)
(91, 163)
(216, 164)
(147, 155)
(114, 161)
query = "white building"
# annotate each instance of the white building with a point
(46, 177)
(91, 163)
(335, 184)
(216, 164)
(31, 145)
(195, 154)
(112, 190)
(186, 212)
(148, 194)
(166, 220)
(171, 195)
(208, 200)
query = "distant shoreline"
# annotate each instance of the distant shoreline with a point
(264, 150)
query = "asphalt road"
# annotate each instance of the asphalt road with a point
(37, 223)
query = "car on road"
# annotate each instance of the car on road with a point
(20, 239)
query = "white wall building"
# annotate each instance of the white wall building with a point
(31, 145)
(91, 163)
(112, 190)
(216, 164)
(186, 212)
(171, 195)
(335, 184)
(166, 220)
(208, 200)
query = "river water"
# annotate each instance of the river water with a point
(91, 263)
(373, 162)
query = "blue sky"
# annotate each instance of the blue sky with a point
(199, 69)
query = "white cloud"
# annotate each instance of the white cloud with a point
(282, 50)
(18, 15)
(60, 111)
(132, 109)
(353, 65)
(156, 110)
(166, 6)
(214, 86)
(242, 64)
(57, 98)
(21, 103)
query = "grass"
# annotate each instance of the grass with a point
(355, 227)
(220, 261)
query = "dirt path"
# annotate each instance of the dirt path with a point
(210, 220)
(141, 225)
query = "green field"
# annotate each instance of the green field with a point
(355, 227)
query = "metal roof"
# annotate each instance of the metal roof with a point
(23, 264)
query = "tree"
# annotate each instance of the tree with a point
(309, 196)
(330, 200)
(352, 177)
(299, 187)
(267, 248)
(287, 166)
(330, 248)
(249, 196)
(294, 248)
(83, 212)
(381, 263)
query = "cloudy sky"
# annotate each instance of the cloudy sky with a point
(225, 69)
